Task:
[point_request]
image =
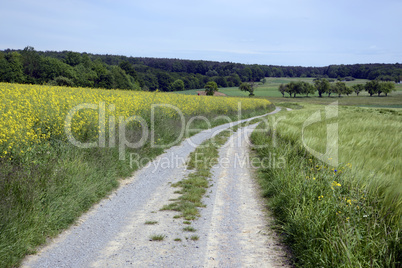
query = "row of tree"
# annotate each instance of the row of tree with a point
(135, 73)
(255, 72)
(323, 86)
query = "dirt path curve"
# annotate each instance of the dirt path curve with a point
(232, 229)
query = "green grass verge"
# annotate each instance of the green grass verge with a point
(189, 229)
(157, 237)
(349, 216)
(150, 222)
(195, 237)
(194, 186)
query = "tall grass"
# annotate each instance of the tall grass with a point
(369, 139)
(345, 216)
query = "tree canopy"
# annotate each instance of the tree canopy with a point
(210, 88)
(249, 87)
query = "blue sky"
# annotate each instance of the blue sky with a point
(286, 32)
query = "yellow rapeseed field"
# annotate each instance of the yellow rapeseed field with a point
(31, 114)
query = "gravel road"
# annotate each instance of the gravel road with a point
(233, 228)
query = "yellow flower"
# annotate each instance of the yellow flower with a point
(33, 114)
(334, 183)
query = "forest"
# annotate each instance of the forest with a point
(68, 68)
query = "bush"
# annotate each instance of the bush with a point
(61, 81)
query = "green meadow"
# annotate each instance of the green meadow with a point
(270, 90)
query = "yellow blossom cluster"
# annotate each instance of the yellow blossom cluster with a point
(30, 114)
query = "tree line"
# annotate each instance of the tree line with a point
(69, 68)
(323, 86)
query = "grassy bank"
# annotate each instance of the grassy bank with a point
(344, 216)
(46, 182)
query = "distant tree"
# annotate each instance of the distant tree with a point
(32, 64)
(282, 89)
(257, 73)
(150, 80)
(164, 80)
(4, 68)
(298, 87)
(294, 88)
(11, 68)
(339, 88)
(220, 81)
(264, 80)
(348, 91)
(212, 73)
(52, 68)
(311, 89)
(86, 60)
(120, 78)
(129, 69)
(178, 67)
(235, 79)
(73, 58)
(177, 85)
(246, 74)
(387, 87)
(358, 88)
(210, 88)
(104, 77)
(307, 88)
(249, 87)
(322, 86)
(84, 77)
(332, 89)
(372, 87)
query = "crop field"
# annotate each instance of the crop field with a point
(348, 214)
(63, 149)
(30, 114)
